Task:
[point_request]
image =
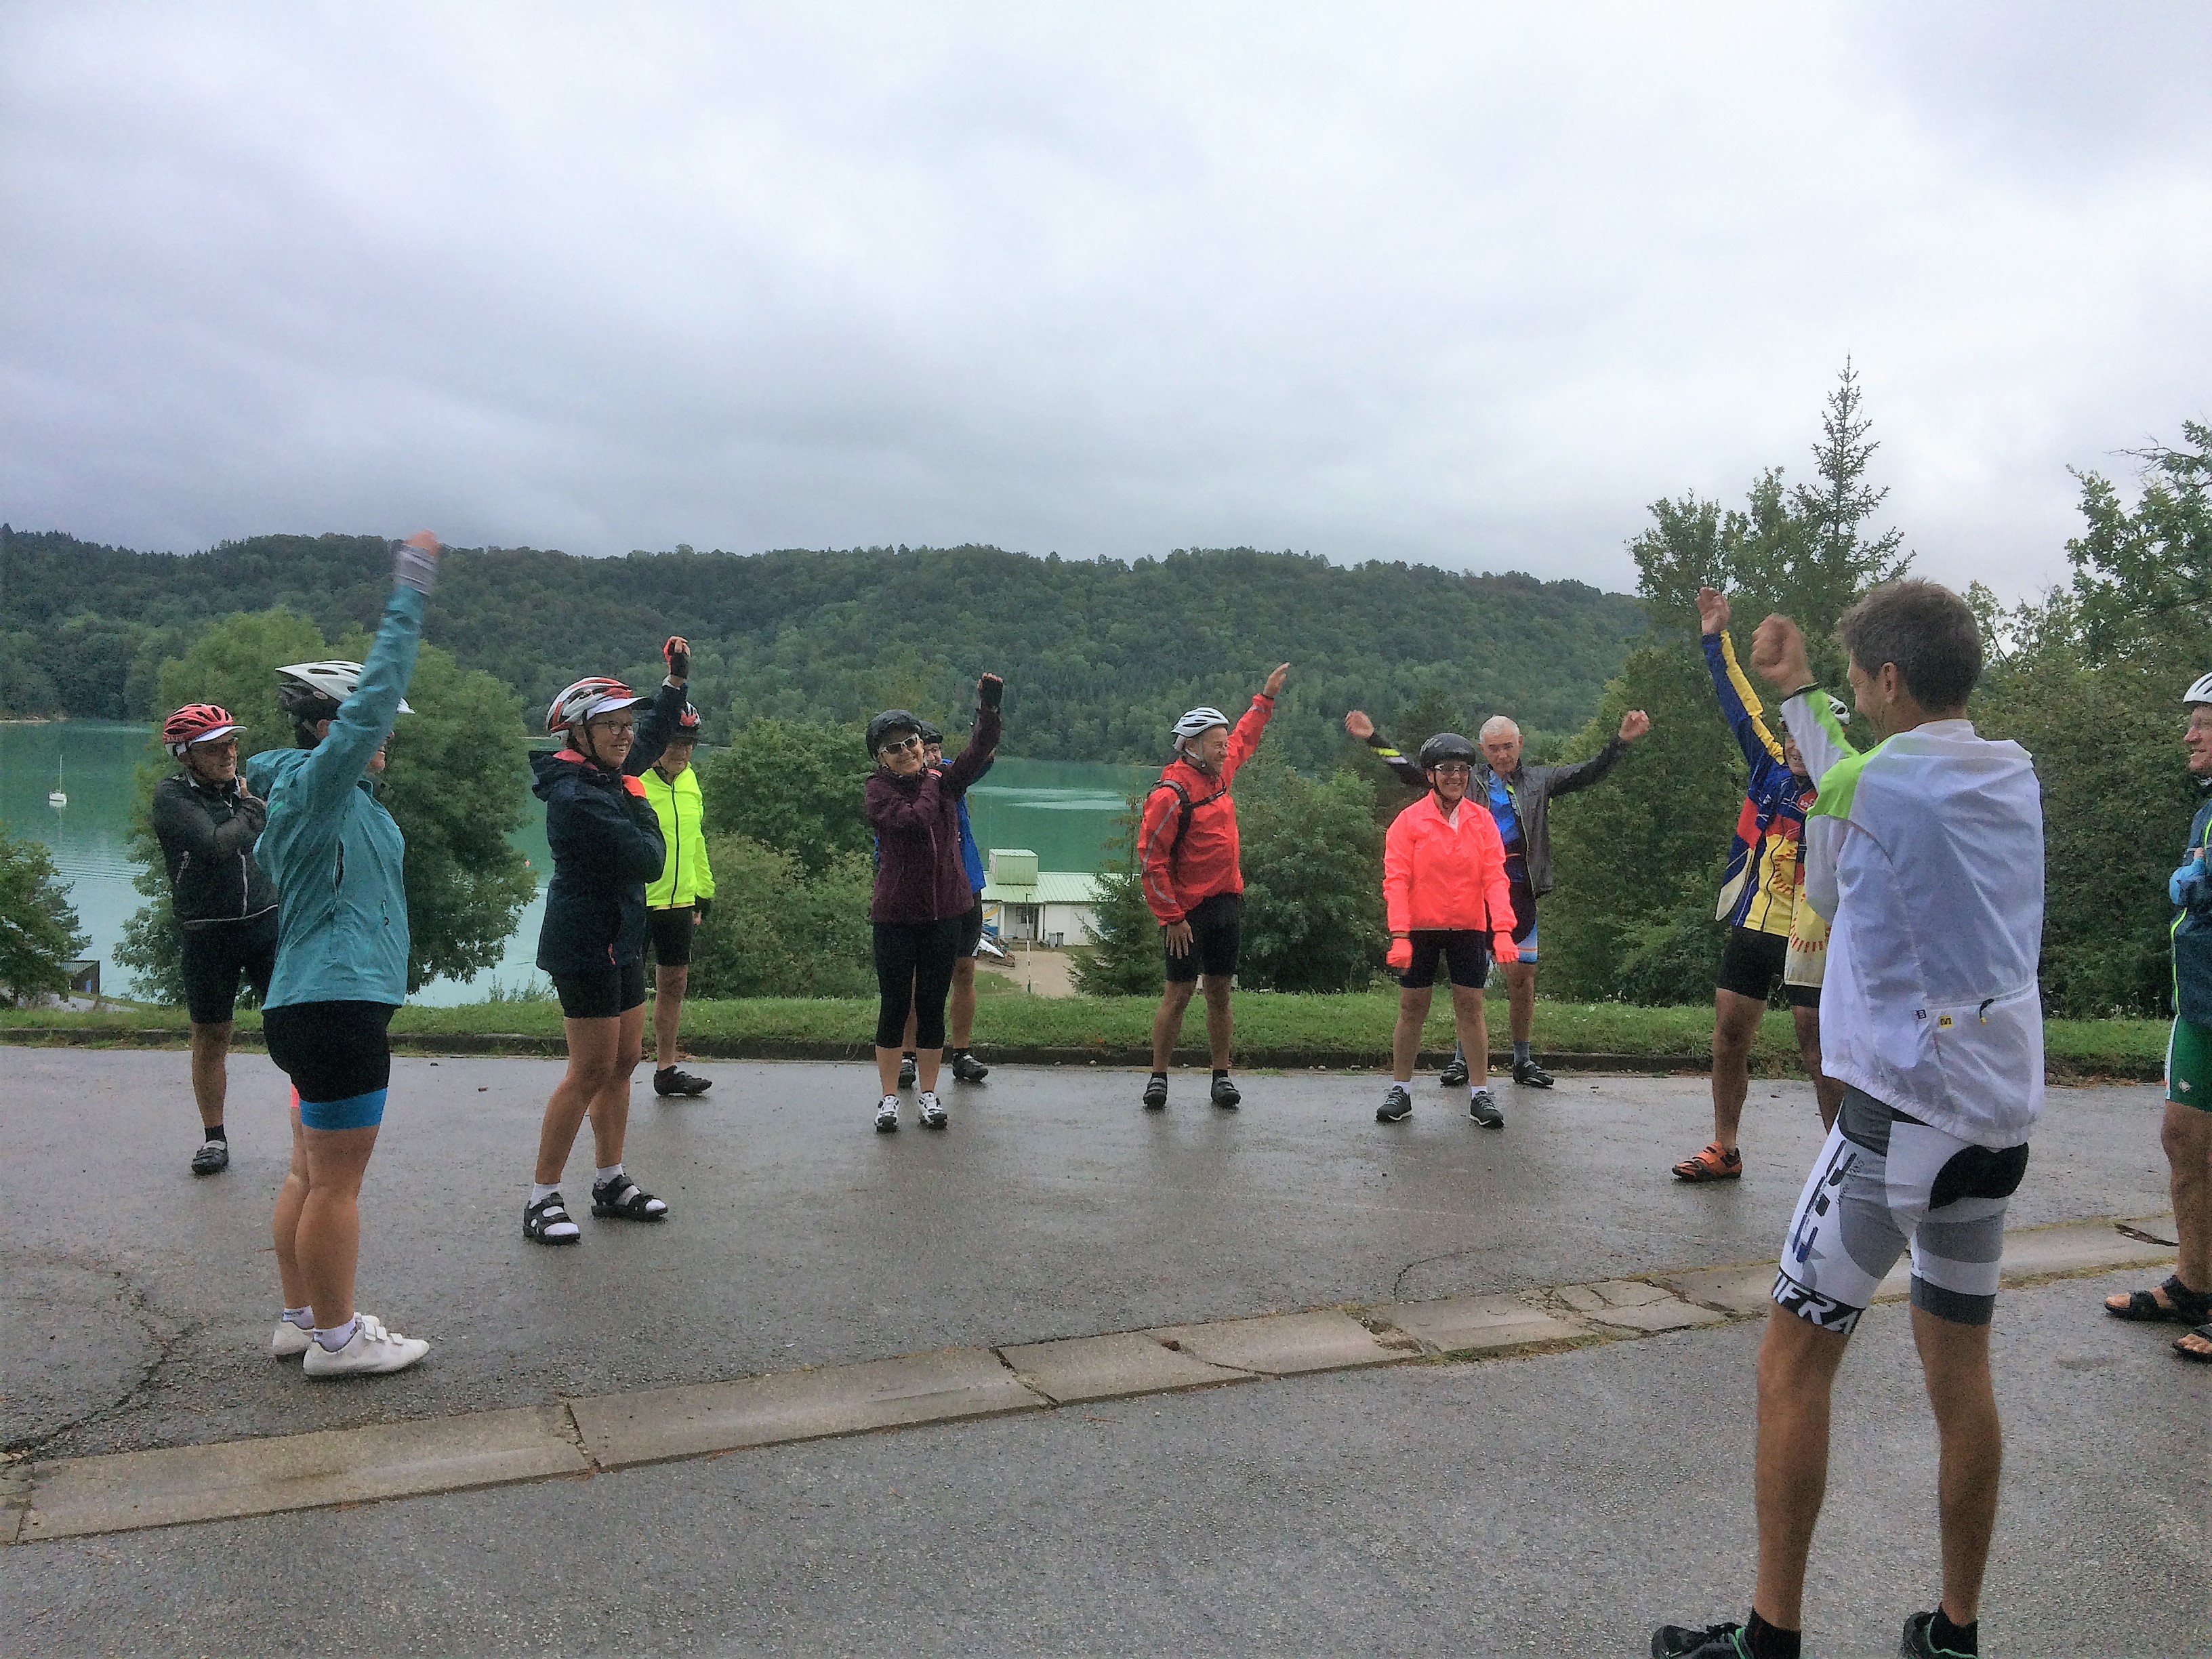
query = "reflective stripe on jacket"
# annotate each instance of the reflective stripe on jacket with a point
(1181, 871)
(687, 877)
(1765, 872)
(1437, 873)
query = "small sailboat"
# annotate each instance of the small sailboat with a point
(58, 796)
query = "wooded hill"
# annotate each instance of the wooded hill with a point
(1099, 656)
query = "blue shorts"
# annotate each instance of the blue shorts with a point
(338, 1057)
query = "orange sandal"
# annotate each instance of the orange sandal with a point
(1712, 1163)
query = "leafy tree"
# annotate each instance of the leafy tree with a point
(773, 931)
(38, 930)
(1313, 879)
(2144, 575)
(794, 785)
(453, 784)
(1125, 957)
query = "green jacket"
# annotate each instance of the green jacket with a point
(686, 877)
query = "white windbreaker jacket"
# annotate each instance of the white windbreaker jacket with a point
(1930, 1003)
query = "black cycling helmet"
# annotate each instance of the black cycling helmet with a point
(888, 724)
(930, 733)
(1446, 746)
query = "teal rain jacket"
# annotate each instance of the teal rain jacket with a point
(333, 851)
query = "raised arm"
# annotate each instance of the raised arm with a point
(656, 725)
(1401, 766)
(338, 762)
(983, 746)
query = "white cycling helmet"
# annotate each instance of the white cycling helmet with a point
(2199, 691)
(595, 694)
(1836, 707)
(1199, 720)
(312, 691)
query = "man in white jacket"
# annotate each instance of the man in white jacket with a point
(1932, 1017)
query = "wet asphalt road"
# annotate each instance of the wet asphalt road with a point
(137, 1300)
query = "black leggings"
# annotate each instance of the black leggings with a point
(914, 969)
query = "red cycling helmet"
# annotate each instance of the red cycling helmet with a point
(687, 723)
(196, 722)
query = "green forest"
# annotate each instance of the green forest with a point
(1099, 657)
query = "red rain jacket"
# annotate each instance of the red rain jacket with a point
(1179, 874)
(1440, 875)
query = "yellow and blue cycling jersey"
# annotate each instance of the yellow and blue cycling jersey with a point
(1764, 877)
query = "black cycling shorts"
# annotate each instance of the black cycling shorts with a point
(1217, 933)
(671, 933)
(215, 953)
(338, 1056)
(601, 992)
(971, 930)
(1751, 962)
(913, 975)
(1465, 956)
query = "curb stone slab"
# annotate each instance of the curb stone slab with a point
(1634, 1305)
(1478, 1324)
(653, 1426)
(128, 1490)
(1107, 1367)
(1283, 1345)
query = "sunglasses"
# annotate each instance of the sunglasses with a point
(902, 746)
(1453, 771)
(217, 746)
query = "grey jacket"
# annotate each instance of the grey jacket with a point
(1532, 788)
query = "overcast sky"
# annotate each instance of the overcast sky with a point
(1459, 284)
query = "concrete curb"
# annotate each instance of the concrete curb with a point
(525, 1045)
(124, 1491)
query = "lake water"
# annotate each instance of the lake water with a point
(1062, 811)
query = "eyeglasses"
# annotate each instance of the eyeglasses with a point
(903, 746)
(614, 728)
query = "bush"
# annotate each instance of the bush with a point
(773, 931)
(1125, 957)
(38, 931)
(794, 785)
(1313, 879)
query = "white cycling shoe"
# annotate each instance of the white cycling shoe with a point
(290, 1340)
(368, 1352)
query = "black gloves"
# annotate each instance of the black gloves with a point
(989, 689)
(702, 906)
(677, 655)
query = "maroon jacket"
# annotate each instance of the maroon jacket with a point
(916, 820)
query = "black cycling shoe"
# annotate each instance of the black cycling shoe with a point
(1484, 1111)
(1397, 1105)
(1225, 1094)
(1920, 1640)
(1156, 1094)
(966, 1068)
(1453, 1074)
(1714, 1642)
(674, 1080)
(908, 1072)
(212, 1158)
(1530, 1075)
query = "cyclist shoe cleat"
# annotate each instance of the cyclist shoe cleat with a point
(1225, 1093)
(1714, 1642)
(966, 1068)
(1454, 1074)
(1484, 1111)
(212, 1158)
(1397, 1105)
(908, 1072)
(933, 1110)
(370, 1350)
(1711, 1163)
(1529, 1075)
(887, 1115)
(674, 1080)
(1156, 1093)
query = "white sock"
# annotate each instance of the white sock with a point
(337, 1336)
(540, 1192)
(600, 1177)
(303, 1317)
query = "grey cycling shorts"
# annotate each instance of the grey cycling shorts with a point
(1886, 1181)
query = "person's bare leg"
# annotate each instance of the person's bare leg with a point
(1406, 1035)
(1735, 1029)
(960, 1011)
(1826, 1091)
(1467, 1020)
(592, 1047)
(609, 1106)
(2186, 1135)
(1797, 1363)
(1521, 998)
(668, 985)
(210, 1073)
(1167, 1023)
(291, 1198)
(1217, 1019)
(927, 1064)
(327, 1244)
(1955, 1360)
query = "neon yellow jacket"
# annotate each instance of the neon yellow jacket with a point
(686, 877)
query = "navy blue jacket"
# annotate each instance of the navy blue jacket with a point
(607, 845)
